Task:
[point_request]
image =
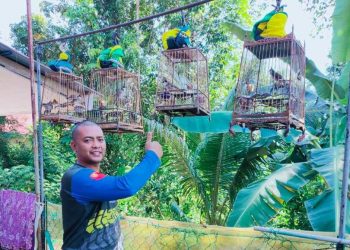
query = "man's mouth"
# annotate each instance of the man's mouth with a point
(96, 153)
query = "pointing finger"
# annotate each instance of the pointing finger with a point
(149, 137)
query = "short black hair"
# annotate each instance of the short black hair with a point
(76, 127)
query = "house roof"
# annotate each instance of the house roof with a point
(18, 57)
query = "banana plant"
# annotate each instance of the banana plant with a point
(216, 165)
(323, 210)
(260, 201)
(340, 43)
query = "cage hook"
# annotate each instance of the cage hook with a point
(278, 6)
(183, 17)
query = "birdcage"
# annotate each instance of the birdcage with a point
(64, 98)
(116, 107)
(271, 85)
(182, 84)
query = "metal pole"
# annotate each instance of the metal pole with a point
(188, 6)
(345, 184)
(33, 106)
(302, 235)
(38, 53)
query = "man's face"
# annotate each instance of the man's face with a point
(89, 145)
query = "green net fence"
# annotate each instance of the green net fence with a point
(143, 233)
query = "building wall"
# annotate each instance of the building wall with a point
(15, 94)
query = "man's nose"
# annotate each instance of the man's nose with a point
(96, 144)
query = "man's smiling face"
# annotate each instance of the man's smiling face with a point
(89, 145)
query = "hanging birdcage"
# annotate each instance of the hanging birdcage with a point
(182, 84)
(64, 98)
(271, 85)
(117, 105)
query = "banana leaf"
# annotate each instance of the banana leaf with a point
(260, 201)
(343, 81)
(341, 32)
(323, 210)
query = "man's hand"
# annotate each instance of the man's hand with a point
(153, 145)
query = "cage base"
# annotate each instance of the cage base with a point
(183, 110)
(60, 118)
(271, 121)
(121, 127)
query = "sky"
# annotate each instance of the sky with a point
(15, 9)
(316, 49)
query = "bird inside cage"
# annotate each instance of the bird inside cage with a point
(49, 106)
(280, 85)
(244, 103)
(249, 88)
(167, 85)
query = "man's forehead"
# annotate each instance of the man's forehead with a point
(89, 131)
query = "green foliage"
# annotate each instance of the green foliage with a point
(341, 32)
(18, 178)
(260, 201)
(201, 175)
(15, 149)
(293, 215)
(323, 210)
(19, 35)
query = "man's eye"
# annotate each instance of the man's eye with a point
(87, 140)
(101, 140)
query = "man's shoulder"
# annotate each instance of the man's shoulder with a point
(72, 170)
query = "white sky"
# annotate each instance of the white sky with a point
(316, 49)
(14, 10)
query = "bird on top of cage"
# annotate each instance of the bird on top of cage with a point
(272, 25)
(112, 57)
(179, 37)
(62, 63)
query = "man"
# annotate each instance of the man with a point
(89, 197)
(112, 56)
(177, 38)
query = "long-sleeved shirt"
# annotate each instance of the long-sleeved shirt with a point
(89, 203)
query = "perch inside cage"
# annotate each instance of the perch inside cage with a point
(271, 85)
(182, 84)
(116, 105)
(64, 98)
